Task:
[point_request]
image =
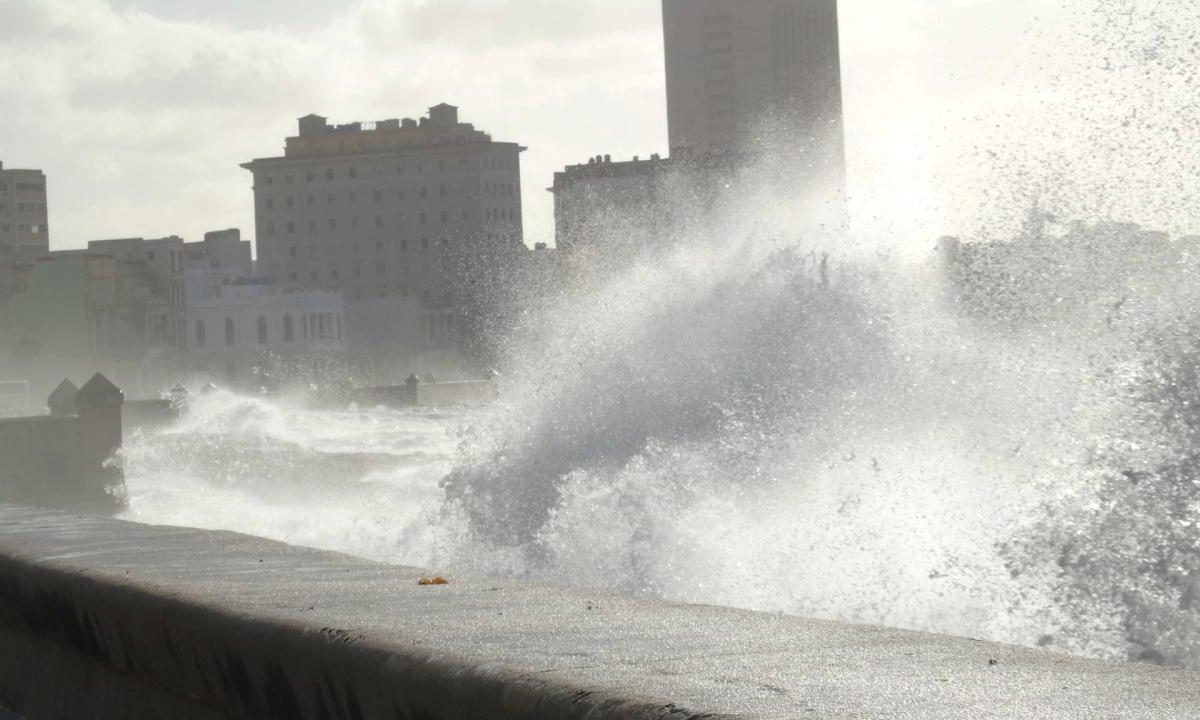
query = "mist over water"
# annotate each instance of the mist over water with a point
(732, 419)
(727, 421)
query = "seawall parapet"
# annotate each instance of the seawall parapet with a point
(102, 618)
(68, 459)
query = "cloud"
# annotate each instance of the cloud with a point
(141, 110)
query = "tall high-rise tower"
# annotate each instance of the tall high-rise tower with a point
(761, 77)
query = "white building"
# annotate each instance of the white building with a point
(253, 333)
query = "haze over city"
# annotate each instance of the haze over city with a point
(142, 111)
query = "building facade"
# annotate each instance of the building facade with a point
(24, 225)
(604, 205)
(760, 77)
(24, 221)
(254, 333)
(116, 307)
(220, 259)
(394, 208)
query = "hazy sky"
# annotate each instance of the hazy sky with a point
(141, 110)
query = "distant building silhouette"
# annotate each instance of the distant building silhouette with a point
(759, 77)
(24, 227)
(607, 205)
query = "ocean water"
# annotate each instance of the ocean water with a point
(726, 423)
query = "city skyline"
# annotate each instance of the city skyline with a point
(145, 137)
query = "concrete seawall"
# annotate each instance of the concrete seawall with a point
(100, 618)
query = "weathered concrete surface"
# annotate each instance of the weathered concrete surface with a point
(100, 618)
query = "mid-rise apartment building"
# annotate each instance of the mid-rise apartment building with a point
(24, 221)
(396, 208)
(24, 226)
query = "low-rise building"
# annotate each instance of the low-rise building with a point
(255, 333)
(128, 298)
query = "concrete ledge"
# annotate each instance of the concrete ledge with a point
(100, 618)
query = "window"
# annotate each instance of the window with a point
(403, 244)
(442, 191)
(332, 223)
(423, 218)
(270, 228)
(291, 277)
(313, 276)
(291, 201)
(378, 221)
(353, 172)
(424, 243)
(289, 330)
(291, 252)
(269, 202)
(422, 192)
(308, 177)
(200, 339)
(262, 330)
(312, 200)
(330, 200)
(378, 196)
(445, 216)
(291, 227)
(328, 173)
(229, 331)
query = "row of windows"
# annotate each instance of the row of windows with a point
(423, 245)
(28, 207)
(490, 190)
(323, 326)
(34, 229)
(488, 163)
(446, 216)
(359, 291)
(24, 187)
